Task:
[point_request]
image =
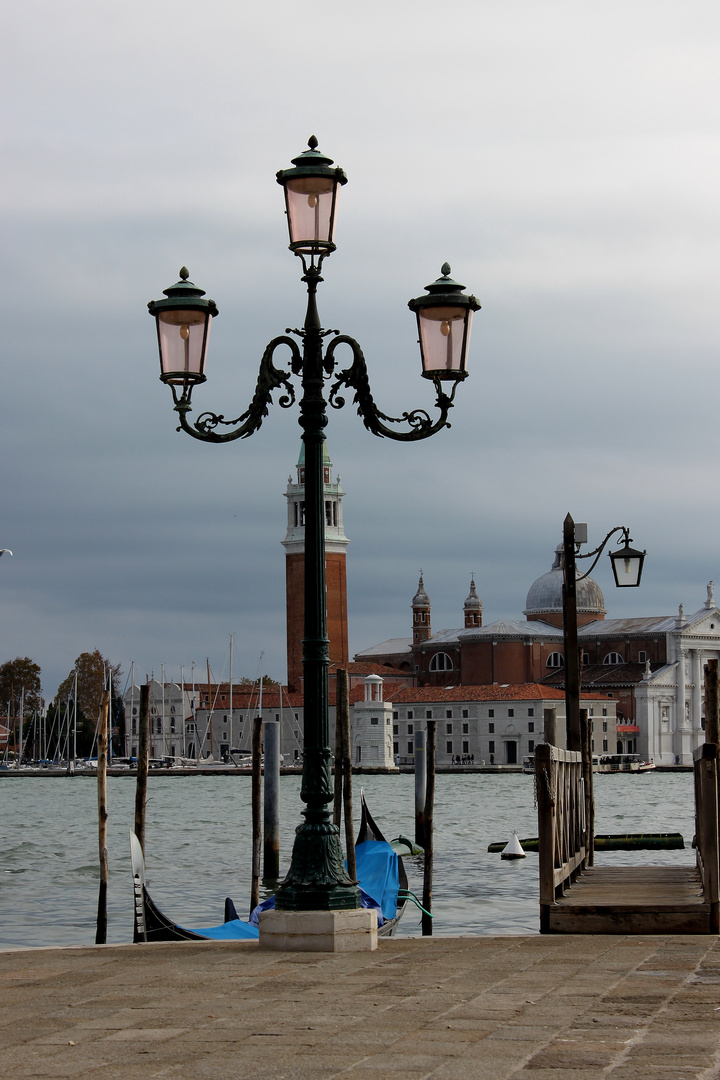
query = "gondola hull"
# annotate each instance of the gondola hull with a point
(151, 924)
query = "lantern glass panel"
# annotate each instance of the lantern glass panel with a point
(444, 338)
(310, 205)
(627, 567)
(183, 335)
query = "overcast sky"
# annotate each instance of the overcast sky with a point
(562, 157)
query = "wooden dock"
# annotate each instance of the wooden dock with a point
(633, 900)
(577, 898)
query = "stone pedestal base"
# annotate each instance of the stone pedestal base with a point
(319, 931)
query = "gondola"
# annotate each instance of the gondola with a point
(381, 874)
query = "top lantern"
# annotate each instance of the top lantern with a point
(444, 319)
(310, 199)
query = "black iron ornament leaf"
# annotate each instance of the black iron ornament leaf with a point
(269, 379)
(419, 421)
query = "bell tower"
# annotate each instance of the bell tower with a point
(421, 613)
(473, 607)
(335, 553)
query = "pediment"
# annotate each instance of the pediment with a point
(703, 623)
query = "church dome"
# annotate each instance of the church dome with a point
(545, 595)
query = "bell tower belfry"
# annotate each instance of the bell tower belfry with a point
(472, 608)
(335, 554)
(421, 613)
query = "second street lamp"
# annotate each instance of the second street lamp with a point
(317, 879)
(627, 564)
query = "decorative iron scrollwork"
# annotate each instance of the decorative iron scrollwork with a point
(356, 377)
(269, 379)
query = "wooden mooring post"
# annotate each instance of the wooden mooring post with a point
(420, 758)
(550, 726)
(102, 744)
(426, 921)
(142, 766)
(271, 801)
(587, 775)
(712, 721)
(256, 792)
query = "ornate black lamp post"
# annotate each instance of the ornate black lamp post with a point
(317, 879)
(627, 564)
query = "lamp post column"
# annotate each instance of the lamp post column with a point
(317, 879)
(570, 635)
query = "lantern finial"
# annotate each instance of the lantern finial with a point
(184, 273)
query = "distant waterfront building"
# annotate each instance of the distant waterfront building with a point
(493, 725)
(650, 668)
(371, 728)
(197, 722)
(168, 706)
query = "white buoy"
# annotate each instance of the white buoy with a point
(513, 849)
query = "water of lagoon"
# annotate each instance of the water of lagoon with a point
(198, 847)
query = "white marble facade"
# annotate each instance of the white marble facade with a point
(671, 700)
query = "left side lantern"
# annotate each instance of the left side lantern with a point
(183, 327)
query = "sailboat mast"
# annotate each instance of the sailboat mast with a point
(164, 731)
(75, 720)
(129, 734)
(211, 703)
(182, 708)
(231, 696)
(20, 728)
(193, 710)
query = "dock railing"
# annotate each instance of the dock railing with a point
(561, 823)
(705, 769)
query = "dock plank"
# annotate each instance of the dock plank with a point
(632, 899)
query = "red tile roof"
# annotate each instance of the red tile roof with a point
(494, 692)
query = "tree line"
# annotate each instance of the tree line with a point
(20, 687)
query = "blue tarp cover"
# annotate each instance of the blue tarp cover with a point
(377, 871)
(229, 931)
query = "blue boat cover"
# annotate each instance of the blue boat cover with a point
(378, 874)
(229, 931)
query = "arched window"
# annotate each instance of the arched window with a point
(441, 662)
(613, 658)
(555, 659)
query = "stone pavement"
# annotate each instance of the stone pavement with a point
(531, 1008)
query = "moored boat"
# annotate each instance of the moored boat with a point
(381, 875)
(613, 763)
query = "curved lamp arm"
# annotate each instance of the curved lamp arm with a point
(269, 378)
(356, 377)
(599, 550)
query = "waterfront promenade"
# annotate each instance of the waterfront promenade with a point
(531, 1008)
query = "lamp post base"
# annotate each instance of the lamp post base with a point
(319, 931)
(317, 879)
